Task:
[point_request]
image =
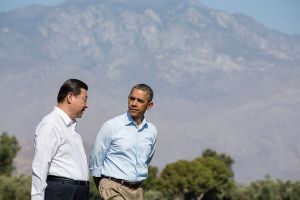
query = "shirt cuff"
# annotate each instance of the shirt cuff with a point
(37, 197)
(96, 172)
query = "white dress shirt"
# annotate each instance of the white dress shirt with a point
(59, 151)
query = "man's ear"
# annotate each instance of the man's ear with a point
(150, 104)
(69, 98)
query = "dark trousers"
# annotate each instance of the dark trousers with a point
(57, 190)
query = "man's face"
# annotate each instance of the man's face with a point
(79, 103)
(138, 103)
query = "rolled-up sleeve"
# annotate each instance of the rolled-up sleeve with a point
(101, 146)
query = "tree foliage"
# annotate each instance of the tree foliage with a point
(206, 177)
(221, 166)
(9, 148)
(152, 182)
(226, 159)
(94, 194)
(185, 179)
(18, 188)
(209, 177)
(268, 189)
(15, 187)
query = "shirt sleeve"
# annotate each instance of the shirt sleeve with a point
(153, 147)
(46, 143)
(100, 149)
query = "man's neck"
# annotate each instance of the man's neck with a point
(138, 121)
(65, 109)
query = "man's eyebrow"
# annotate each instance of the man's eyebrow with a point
(139, 99)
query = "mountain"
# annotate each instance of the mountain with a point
(221, 81)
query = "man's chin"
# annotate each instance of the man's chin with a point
(79, 115)
(134, 117)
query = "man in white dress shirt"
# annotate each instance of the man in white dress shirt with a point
(59, 167)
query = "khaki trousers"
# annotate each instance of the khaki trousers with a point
(111, 190)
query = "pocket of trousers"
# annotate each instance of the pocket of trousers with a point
(107, 190)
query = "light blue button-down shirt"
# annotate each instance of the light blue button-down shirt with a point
(122, 150)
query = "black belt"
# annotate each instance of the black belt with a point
(67, 180)
(128, 184)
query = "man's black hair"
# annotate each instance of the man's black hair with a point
(70, 86)
(145, 88)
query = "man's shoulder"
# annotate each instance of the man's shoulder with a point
(152, 127)
(48, 122)
(50, 118)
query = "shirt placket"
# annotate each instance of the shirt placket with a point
(137, 154)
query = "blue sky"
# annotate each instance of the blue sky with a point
(283, 15)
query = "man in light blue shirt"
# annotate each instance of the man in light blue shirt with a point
(124, 148)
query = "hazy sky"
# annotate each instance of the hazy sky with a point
(282, 15)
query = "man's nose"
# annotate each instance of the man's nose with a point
(134, 102)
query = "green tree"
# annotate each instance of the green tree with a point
(289, 190)
(94, 193)
(226, 159)
(221, 166)
(151, 183)
(15, 187)
(241, 192)
(9, 148)
(154, 195)
(268, 189)
(222, 179)
(185, 179)
(207, 177)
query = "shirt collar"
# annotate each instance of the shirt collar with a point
(67, 120)
(128, 120)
